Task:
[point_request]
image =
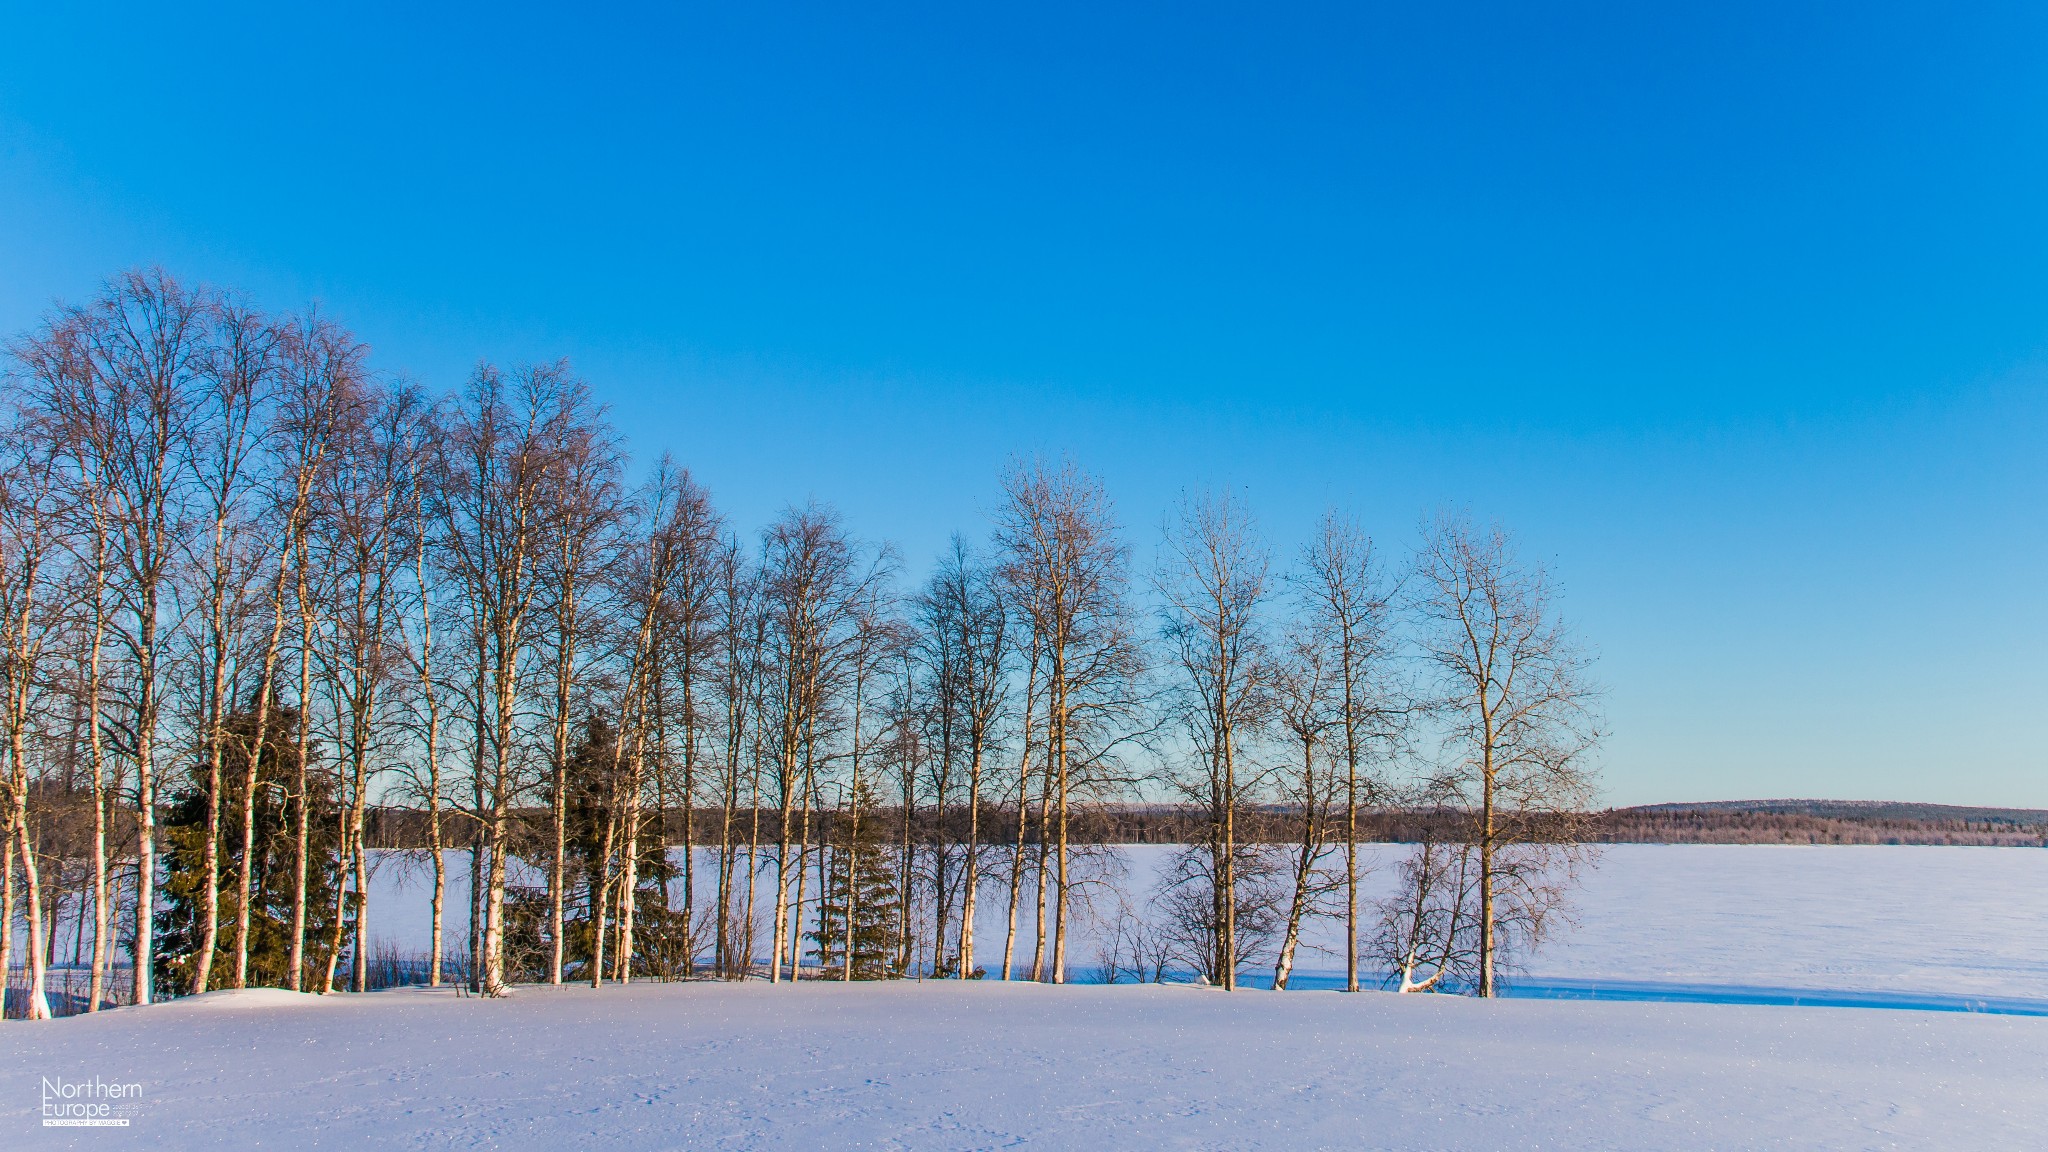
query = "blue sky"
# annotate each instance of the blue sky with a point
(1736, 315)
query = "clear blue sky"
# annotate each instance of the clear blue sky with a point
(1738, 316)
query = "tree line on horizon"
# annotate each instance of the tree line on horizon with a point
(251, 588)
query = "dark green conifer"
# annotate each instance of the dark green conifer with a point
(183, 859)
(595, 783)
(860, 889)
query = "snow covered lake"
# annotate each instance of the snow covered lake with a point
(1864, 924)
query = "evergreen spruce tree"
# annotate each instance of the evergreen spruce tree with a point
(591, 779)
(660, 931)
(594, 783)
(183, 859)
(861, 888)
(526, 932)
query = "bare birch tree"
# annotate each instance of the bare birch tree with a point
(814, 576)
(736, 672)
(1518, 707)
(964, 630)
(1307, 707)
(580, 505)
(55, 370)
(1028, 712)
(238, 372)
(30, 614)
(1065, 569)
(146, 335)
(322, 393)
(666, 560)
(369, 505)
(493, 477)
(425, 702)
(1213, 584)
(684, 665)
(1345, 604)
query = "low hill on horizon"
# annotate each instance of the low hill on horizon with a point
(1859, 810)
(1823, 822)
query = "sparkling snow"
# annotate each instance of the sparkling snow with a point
(984, 1065)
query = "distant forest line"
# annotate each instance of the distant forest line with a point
(1718, 822)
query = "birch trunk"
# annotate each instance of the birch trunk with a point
(38, 962)
(7, 906)
(102, 914)
(1023, 814)
(145, 809)
(266, 690)
(1058, 685)
(600, 894)
(302, 809)
(432, 701)
(971, 879)
(753, 864)
(781, 938)
(565, 666)
(1044, 874)
(1297, 908)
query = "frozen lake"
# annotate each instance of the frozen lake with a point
(1880, 925)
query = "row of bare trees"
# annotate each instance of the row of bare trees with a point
(1336, 690)
(252, 588)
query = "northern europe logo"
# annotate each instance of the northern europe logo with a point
(93, 1103)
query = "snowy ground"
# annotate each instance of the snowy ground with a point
(987, 1065)
(943, 1066)
(1938, 926)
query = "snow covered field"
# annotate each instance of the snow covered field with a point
(983, 1065)
(987, 1065)
(1932, 925)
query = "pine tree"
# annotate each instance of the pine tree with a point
(864, 877)
(271, 878)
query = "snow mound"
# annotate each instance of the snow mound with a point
(239, 998)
